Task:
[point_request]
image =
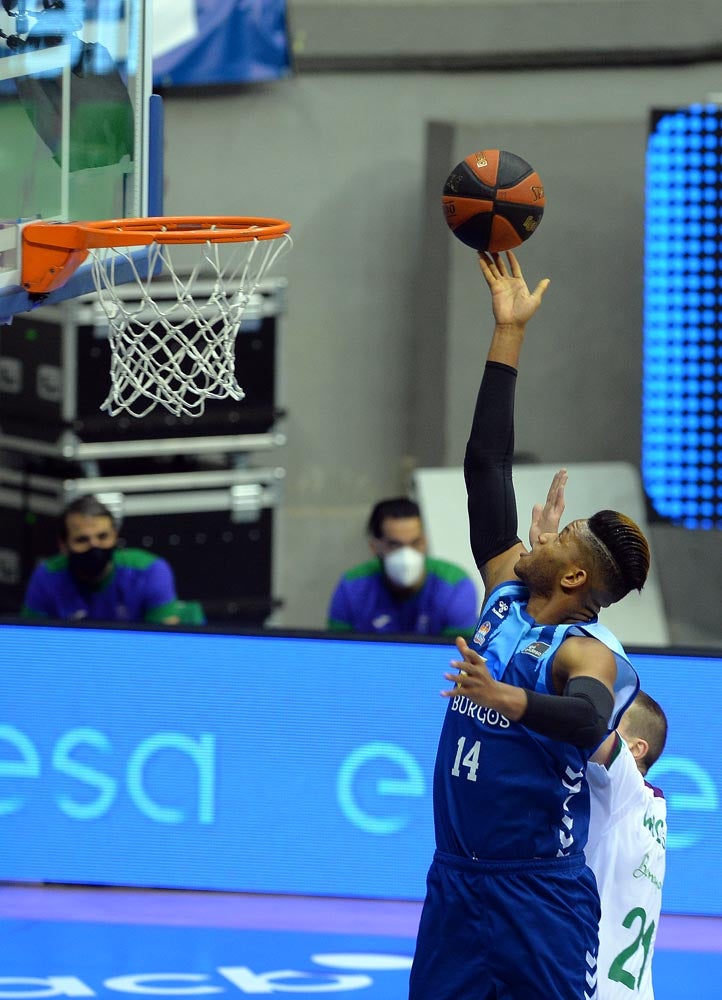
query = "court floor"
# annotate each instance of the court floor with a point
(105, 942)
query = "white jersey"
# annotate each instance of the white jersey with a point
(626, 852)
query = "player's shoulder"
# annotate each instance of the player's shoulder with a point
(595, 631)
(52, 565)
(136, 559)
(587, 654)
(507, 591)
(654, 791)
(578, 645)
(446, 571)
(362, 571)
(621, 771)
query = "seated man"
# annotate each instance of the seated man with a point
(402, 590)
(92, 580)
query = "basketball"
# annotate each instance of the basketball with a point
(493, 200)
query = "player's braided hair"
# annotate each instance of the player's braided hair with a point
(628, 549)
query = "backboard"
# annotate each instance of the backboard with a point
(79, 128)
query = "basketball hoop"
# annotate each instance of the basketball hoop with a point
(176, 353)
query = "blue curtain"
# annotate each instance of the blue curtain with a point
(236, 41)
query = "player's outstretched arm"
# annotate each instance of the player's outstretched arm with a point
(490, 449)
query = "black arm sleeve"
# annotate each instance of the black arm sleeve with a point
(487, 465)
(580, 716)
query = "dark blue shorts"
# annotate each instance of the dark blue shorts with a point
(498, 930)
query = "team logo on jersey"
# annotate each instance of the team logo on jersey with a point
(537, 649)
(482, 632)
(500, 608)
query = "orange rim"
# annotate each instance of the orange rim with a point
(53, 251)
(182, 229)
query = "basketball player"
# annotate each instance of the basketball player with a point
(511, 909)
(627, 842)
(627, 849)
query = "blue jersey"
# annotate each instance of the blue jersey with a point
(446, 604)
(502, 791)
(139, 588)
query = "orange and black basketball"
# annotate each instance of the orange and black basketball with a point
(493, 200)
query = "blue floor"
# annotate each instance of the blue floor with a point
(112, 959)
(106, 943)
(687, 975)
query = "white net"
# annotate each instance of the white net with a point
(177, 352)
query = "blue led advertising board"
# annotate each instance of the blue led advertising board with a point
(276, 763)
(682, 375)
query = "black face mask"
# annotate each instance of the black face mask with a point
(91, 564)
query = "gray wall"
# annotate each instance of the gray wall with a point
(374, 370)
(583, 351)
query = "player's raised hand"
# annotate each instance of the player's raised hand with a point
(512, 302)
(472, 679)
(546, 517)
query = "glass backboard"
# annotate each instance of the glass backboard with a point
(75, 120)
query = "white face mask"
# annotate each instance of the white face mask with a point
(404, 567)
